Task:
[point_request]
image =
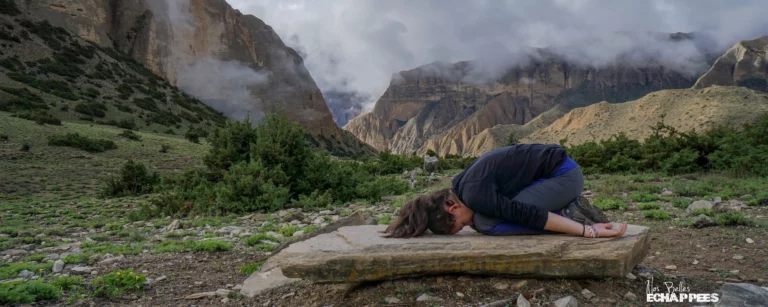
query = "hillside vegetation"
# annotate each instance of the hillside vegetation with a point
(48, 75)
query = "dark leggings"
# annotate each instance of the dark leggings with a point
(552, 194)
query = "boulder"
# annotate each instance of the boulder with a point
(173, 226)
(742, 294)
(703, 221)
(700, 204)
(359, 253)
(431, 164)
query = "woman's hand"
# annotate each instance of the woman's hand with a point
(606, 230)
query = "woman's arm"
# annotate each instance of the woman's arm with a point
(560, 224)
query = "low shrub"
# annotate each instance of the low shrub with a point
(134, 179)
(129, 134)
(117, 283)
(81, 142)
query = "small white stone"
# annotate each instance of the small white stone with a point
(392, 300)
(631, 276)
(459, 294)
(671, 267)
(750, 241)
(587, 294)
(630, 296)
(737, 257)
(695, 262)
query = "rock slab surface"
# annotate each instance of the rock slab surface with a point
(359, 253)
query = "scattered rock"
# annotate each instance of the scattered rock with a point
(298, 233)
(666, 192)
(25, 274)
(159, 279)
(734, 271)
(587, 294)
(428, 298)
(14, 252)
(225, 300)
(371, 221)
(222, 292)
(81, 270)
(731, 205)
(520, 285)
(112, 259)
(392, 300)
(53, 256)
(459, 294)
(750, 241)
(702, 221)
(173, 226)
(288, 295)
(568, 301)
(631, 276)
(671, 267)
(58, 266)
(695, 262)
(522, 302)
(296, 216)
(737, 257)
(501, 286)
(198, 296)
(630, 296)
(743, 294)
(318, 220)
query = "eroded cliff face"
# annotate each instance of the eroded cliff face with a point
(438, 107)
(189, 41)
(744, 64)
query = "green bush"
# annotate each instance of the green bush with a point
(134, 179)
(656, 215)
(94, 109)
(67, 283)
(638, 196)
(609, 203)
(314, 200)
(117, 283)
(39, 117)
(81, 142)
(254, 239)
(129, 134)
(648, 206)
(250, 268)
(732, 219)
(210, 246)
(722, 148)
(27, 292)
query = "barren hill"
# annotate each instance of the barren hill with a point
(685, 109)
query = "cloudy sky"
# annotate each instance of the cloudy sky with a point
(356, 45)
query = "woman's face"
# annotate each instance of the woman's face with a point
(462, 216)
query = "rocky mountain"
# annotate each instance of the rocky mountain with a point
(684, 109)
(344, 105)
(744, 64)
(443, 107)
(233, 62)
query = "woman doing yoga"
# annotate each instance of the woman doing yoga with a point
(513, 190)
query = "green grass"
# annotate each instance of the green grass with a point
(681, 203)
(656, 215)
(644, 197)
(181, 234)
(34, 258)
(78, 258)
(609, 203)
(67, 282)
(117, 283)
(254, 239)
(707, 212)
(11, 270)
(28, 292)
(209, 246)
(732, 219)
(648, 206)
(250, 268)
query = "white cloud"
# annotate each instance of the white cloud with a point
(356, 45)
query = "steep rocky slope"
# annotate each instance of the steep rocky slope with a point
(442, 107)
(745, 64)
(684, 109)
(233, 62)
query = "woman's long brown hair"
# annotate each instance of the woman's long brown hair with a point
(422, 213)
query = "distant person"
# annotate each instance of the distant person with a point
(513, 190)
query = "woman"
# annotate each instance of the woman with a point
(519, 189)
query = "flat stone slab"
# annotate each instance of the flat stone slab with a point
(359, 253)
